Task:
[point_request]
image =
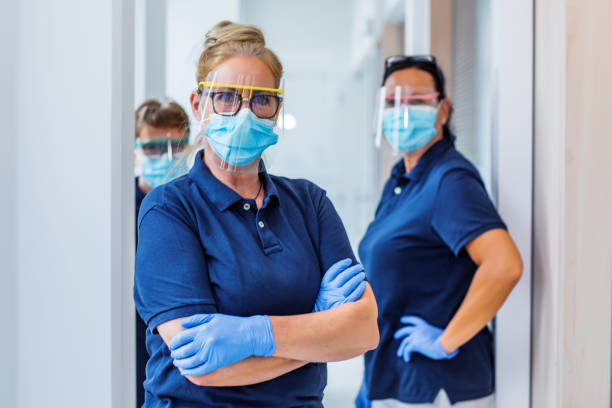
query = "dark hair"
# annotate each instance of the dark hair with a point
(425, 63)
(161, 114)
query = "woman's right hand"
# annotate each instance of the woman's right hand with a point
(214, 341)
(341, 283)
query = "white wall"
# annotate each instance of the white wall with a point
(417, 30)
(67, 213)
(169, 37)
(328, 146)
(472, 85)
(140, 37)
(155, 47)
(187, 21)
(512, 170)
(8, 47)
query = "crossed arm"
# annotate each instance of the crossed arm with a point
(337, 334)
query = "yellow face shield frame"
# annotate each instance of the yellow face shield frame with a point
(243, 87)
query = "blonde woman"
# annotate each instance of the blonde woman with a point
(246, 280)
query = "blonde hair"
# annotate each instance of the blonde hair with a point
(227, 39)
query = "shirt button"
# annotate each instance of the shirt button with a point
(397, 190)
(261, 224)
(246, 206)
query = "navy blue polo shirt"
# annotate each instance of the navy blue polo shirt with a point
(141, 328)
(414, 256)
(202, 248)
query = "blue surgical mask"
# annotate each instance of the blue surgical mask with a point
(410, 128)
(160, 169)
(239, 140)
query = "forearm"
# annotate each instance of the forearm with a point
(253, 370)
(249, 371)
(337, 334)
(489, 289)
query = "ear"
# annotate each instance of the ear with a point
(443, 112)
(194, 101)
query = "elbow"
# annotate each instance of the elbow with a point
(200, 380)
(206, 380)
(510, 270)
(367, 316)
(373, 339)
(372, 335)
(514, 270)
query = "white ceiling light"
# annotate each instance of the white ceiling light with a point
(289, 122)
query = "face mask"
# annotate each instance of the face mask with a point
(409, 129)
(158, 170)
(240, 139)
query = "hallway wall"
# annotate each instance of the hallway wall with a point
(63, 181)
(8, 68)
(572, 211)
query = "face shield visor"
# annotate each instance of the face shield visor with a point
(238, 117)
(161, 159)
(406, 117)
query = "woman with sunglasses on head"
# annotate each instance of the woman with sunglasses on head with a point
(247, 281)
(437, 254)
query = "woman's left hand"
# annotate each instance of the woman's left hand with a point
(420, 337)
(341, 283)
(213, 341)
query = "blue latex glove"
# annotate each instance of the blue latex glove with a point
(341, 283)
(420, 337)
(213, 341)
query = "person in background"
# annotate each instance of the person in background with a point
(162, 134)
(437, 254)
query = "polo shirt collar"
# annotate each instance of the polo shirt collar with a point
(221, 195)
(429, 157)
(269, 187)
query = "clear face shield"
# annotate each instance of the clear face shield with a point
(161, 158)
(238, 119)
(406, 117)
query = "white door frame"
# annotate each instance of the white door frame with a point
(512, 122)
(123, 333)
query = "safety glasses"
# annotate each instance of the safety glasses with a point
(227, 99)
(160, 147)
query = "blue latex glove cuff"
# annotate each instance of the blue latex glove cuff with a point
(213, 341)
(265, 345)
(418, 336)
(442, 352)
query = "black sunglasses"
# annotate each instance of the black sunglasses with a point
(400, 59)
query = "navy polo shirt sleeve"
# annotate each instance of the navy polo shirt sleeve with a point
(334, 244)
(462, 209)
(171, 276)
